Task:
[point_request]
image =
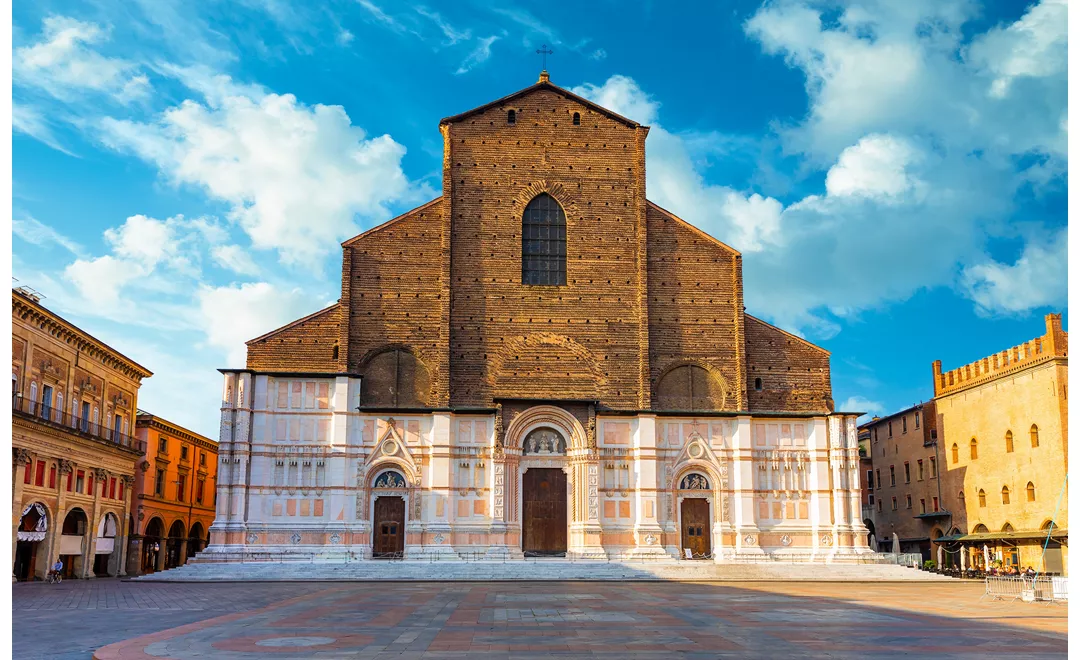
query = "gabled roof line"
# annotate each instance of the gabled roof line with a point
(390, 221)
(691, 226)
(543, 84)
(294, 323)
(796, 337)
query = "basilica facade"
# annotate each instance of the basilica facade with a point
(540, 361)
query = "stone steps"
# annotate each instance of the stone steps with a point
(540, 570)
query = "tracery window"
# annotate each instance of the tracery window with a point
(543, 242)
(1034, 435)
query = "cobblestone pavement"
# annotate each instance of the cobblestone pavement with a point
(622, 621)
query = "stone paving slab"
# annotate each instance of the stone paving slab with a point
(529, 620)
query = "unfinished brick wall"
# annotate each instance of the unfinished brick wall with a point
(396, 295)
(794, 373)
(304, 345)
(651, 316)
(596, 172)
(695, 308)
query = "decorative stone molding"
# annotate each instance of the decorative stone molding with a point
(20, 455)
(252, 538)
(785, 540)
(826, 539)
(749, 539)
(100, 474)
(67, 466)
(335, 538)
(296, 538)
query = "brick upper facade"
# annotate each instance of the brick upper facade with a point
(433, 312)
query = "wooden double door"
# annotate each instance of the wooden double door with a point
(543, 504)
(696, 530)
(388, 537)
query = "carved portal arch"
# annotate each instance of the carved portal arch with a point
(546, 416)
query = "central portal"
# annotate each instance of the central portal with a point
(544, 512)
(389, 537)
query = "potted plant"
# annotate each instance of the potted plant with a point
(929, 565)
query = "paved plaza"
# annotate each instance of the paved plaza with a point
(115, 619)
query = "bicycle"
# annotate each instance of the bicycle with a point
(54, 577)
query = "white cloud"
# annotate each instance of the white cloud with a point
(452, 34)
(62, 63)
(876, 168)
(33, 231)
(598, 54)
(478, 56)
(344, 37)
(1035, 46)
(1039, 278)
(294, 175)
(100, 280)
(381, 16)
(232, 315)
(861, 404)
(29, 120)
(622, 95)
(234, 258)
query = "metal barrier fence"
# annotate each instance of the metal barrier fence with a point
(1042, 588)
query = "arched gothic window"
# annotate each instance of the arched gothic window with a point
(543, 242)
(1034, 435)
(1004, 494)
(974, 449)
(955, 453)
(1030, 492)
(982, 497)
(1008, 442)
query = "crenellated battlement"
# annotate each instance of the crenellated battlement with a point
(1053, 344)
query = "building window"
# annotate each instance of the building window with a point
(890, 429)
(1034, 436)
(183, 452)
(955, 454)
(543, 242)
(163, 445)
(1004, 494)
(878, 478)
(180, 487)
(199, 491)
(870, 479)
(52, 476)
(757, 384)
(922, 506)
(960, 497)
(46, 401)
(511, 117)
(974, 449)
(80, 476)
(1030, 492)
(892, 475)
(39, 474)
(935, 505)
(871, 499)
(112, 488)
(907, 472)
(920, 470)
(202, 459)
(1008, 442)
(908, 501)
(27, 472)
(982, 498)
(903, 421)
(577, 119)
(916, 419)
(933, 467)
(894, 504)
(875, 434)
(159, 484)
(879, 506)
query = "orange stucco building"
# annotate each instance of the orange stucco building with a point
(174, 495)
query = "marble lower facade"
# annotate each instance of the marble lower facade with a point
(302, 475)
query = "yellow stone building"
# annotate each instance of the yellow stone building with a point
(1004, 421)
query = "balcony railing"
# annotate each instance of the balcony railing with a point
(23, 407)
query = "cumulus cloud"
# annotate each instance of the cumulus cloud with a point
(294, 176)
(1038, 278)
(234, 258)
(63, 63)
(232, 315)
(1035, 47)
(876, 168)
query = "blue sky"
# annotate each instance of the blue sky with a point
(894, 173)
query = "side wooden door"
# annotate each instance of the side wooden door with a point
(696, 530)
(544, 511)
(389, 527)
